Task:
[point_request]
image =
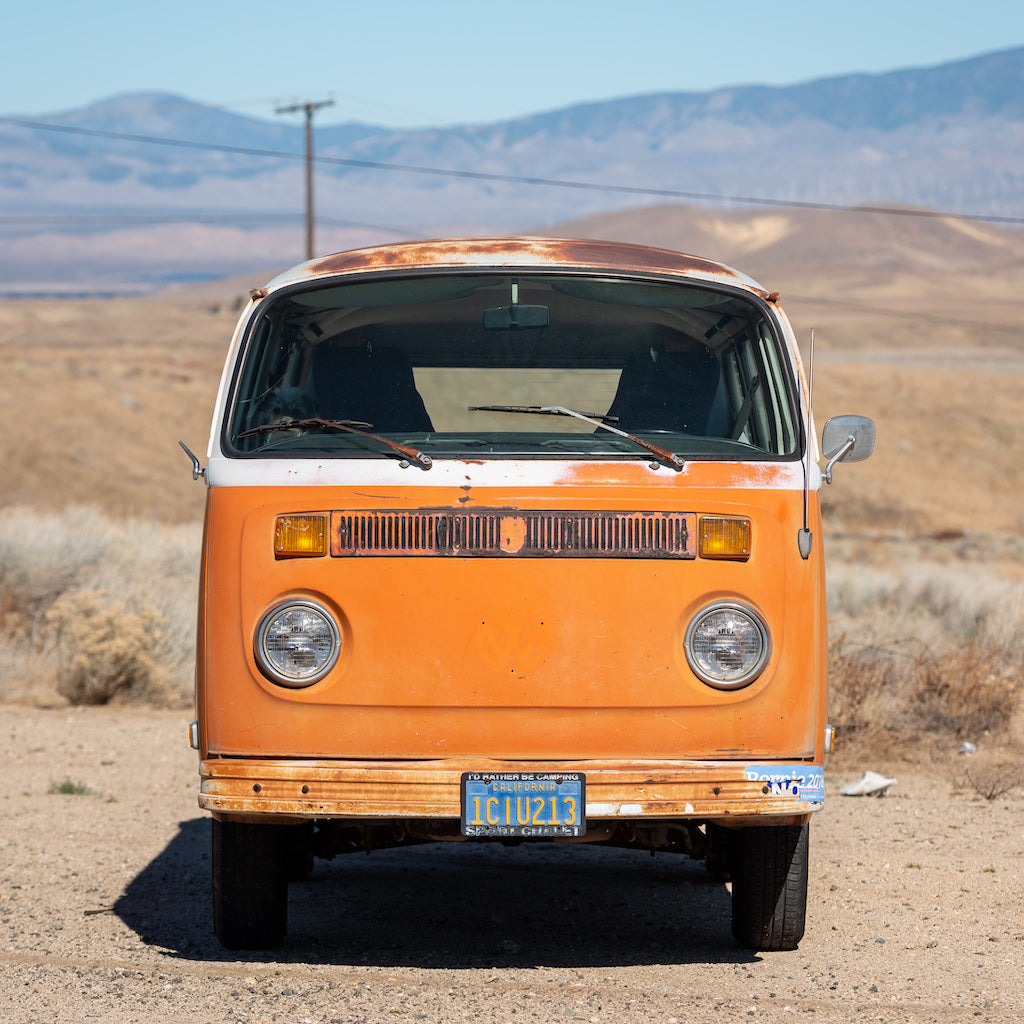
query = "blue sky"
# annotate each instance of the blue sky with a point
(443, 62)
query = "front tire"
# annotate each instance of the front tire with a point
(769, 886)
(250, 884)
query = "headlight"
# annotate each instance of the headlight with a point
(727, 645)
(297, 643)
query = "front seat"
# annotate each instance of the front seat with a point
(369, 385)
(661, 390)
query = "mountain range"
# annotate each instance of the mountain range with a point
(149, 187)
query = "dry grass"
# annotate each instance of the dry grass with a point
(105, 389)
(94, 609)
(106, 650)
(925, 656)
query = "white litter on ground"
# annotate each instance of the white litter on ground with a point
(869, 784)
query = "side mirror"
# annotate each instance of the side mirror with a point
(846, 439)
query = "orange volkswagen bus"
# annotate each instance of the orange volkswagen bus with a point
(514, 540)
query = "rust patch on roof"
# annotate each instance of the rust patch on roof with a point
(519, 253)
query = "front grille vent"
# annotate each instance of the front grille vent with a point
(500, 533)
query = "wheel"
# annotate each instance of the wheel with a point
(250, 884)
(769, 886)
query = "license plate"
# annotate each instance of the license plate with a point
(543, 805)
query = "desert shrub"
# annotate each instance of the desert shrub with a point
(42, 556)
(68, 787)
(105, 651)
(861, 687)
(136, 563)
(906, 691)
(967, 692)
(924, 651)
(991, 781)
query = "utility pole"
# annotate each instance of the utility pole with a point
(309, 108)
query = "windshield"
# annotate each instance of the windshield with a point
(460, 366)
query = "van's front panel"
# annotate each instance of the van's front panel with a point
(511, 657)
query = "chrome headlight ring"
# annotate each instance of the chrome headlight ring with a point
(297, 643)
(727, 645)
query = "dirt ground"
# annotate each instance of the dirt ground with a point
(916, 910)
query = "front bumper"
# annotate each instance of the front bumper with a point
(735, 793)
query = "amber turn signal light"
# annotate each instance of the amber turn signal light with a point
(724, 538)
(300, 536)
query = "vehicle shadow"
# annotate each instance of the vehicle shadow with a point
(455, 906)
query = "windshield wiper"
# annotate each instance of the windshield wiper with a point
(670, 458)
(348, 427)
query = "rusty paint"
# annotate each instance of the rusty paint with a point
(514, 253)
(381, 790)
(492, 533)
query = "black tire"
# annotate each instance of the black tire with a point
(769, 886)
(250, 884)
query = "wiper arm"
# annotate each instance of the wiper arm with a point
(670, 458)
(546, 410)
(269, 428)
(348, 427)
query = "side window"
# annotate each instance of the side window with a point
(756, 388)
(783, 428)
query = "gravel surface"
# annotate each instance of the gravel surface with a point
(915, 910)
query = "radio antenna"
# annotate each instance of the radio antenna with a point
(805, 537)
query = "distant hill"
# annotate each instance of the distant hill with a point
(94, 211)
(770, 243)
(865, 280)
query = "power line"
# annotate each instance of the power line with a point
(897, 314)
(242, 217)
(183, 216)
(668, 193)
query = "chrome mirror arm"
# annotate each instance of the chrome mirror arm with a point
(847, 447)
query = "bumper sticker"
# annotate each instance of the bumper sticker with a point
(805, 782)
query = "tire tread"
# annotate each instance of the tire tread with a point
(250, 885)
(769, 896)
